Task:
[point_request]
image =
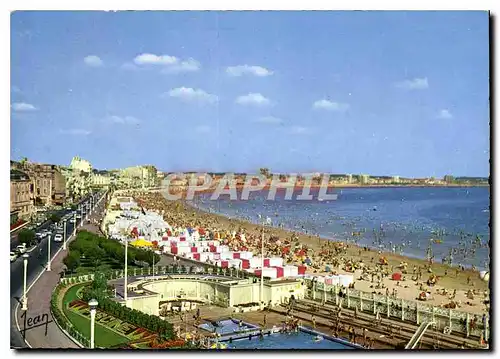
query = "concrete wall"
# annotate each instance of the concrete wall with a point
(224, 294)
(146, 304)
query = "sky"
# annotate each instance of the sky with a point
(380, 93)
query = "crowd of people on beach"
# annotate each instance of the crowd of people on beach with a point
(325, 257)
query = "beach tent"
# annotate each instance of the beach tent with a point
(396, 276)
(141, 243)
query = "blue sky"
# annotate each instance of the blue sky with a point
(382, 93)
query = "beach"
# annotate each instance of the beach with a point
(339, 257)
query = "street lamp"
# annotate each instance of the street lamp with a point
(74, 225)
(25, 295)
(81, 215)
(93, 305)
(48, 253)
(125, 288)
(262, 271)
(64, 236)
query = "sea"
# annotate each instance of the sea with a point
(450, 224)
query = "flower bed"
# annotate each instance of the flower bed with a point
(168, 344)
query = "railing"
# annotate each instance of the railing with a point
(159, 270)
(63, 322)
(446, 320)
(418, 335)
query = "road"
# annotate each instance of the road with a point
(14, 240)
(36, 263)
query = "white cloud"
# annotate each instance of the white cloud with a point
(445, 114)
(170, 64)
(330, 106)
(269, 120)
(203, 129)
(93, 61)
(299, 130)
(15, 89)
(191, 94)
(152, 59)
(125, 120)
(248, 70)
(253, 99)
(23, 107)
(189, 65)
(415, 84)
(76, 131)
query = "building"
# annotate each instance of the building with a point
(21, 196)
(78, 183)
(364, 179)
(448, 179)
(138, 177)
(48, 183)
(79, 164)
(101, 179)
(395, 179)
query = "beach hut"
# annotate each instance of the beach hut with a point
(204, 256)
(279, 272)
(245, 255)
(235, 263)
(275, 262)
(290, 271)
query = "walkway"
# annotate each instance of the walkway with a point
(49, 336)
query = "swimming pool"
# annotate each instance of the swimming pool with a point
(299, 340)
(227, 326)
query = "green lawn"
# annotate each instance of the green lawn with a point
(104, 337)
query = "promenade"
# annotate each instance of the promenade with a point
(41, 331)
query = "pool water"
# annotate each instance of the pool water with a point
(300, 340)
(227, 326)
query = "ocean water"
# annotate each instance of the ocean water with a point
(401, 220)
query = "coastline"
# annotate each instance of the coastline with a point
(182, 189)
(450, 278)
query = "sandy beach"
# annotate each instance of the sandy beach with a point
(341, 258)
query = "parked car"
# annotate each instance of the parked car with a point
(58, 237)
(21, 248)
(13, 256)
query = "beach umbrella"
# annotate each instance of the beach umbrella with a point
(396, 276)
(484, 275)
